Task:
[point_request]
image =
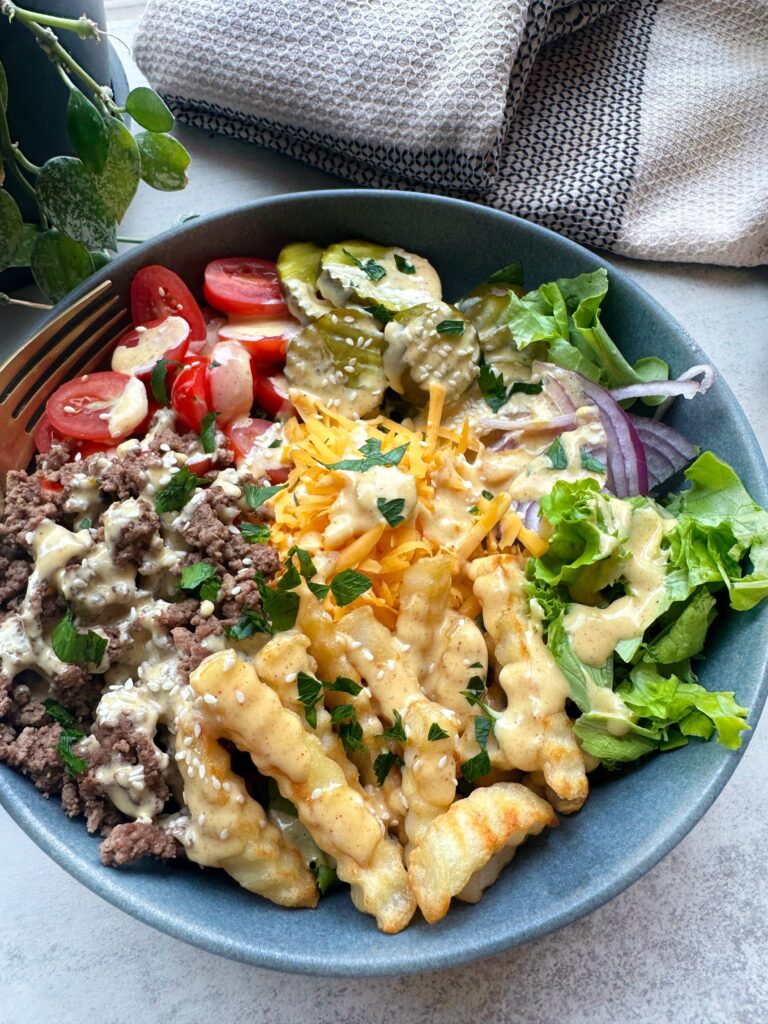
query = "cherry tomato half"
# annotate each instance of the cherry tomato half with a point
(265, 339)
(189, 394)
(156, 292)
(45, 437)
(103, 407)
(230, 381)
(244, 286)
(271, 394)
(140, 348)
(244, 433)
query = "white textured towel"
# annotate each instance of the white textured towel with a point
(639, 126)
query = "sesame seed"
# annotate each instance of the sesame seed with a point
(380, 674)
(190, 773)
(201, 819)
(210, 699)
(239, 696)
(431, 668)
(201, 771)
(197, 729)
(443, 761)
(216, 783)
(368, 655)
(188, 741)
(240, 798)
(247, 561)
(316, 794)
(291, 677)
(224, 834)
(165, 447)
(78, 456)
(161, 292)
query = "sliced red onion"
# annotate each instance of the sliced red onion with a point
(666, 450)
(627, 467)
(529, 513)
(530, 424)
(685, 386)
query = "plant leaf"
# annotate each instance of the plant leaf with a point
(59, 263)
(87, 131)
(164, 161)
(149, 110)
(69, 197)
(11, 228)
(23, 254)
(119, 180)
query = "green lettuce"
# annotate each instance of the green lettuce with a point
(566, 315)
(718, 526)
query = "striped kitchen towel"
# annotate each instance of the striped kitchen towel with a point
(639, 126)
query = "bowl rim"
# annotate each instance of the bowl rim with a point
(479, 944)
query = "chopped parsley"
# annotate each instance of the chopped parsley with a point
(75, 648)
(256, 496)
(396, 731)
(281, 605)
(343, 713)
(159, 381)
(479, 765)
(392, 510)
(526, 387)
(177, 492)
(476, 684)
(436, 733)
(372, 270)
(384, 764)
(69, 735)
(450, 327)
(255, 533)
(351, 734)
(84, 524)
(487, 495)
(373, 457)
(349, 585)
(591, 462)
(556, 455)
(308, 570)
(192, 576)
(310, 692)
(379, 312)
(474, 511)
(277, 443)
(492, 387)
(208, 433)
(403, 265)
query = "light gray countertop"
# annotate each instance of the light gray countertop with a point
(687, 943)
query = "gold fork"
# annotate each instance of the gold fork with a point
(75, 342)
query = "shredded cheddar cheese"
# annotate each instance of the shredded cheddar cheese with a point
(439, 460)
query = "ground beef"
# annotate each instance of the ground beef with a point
(179, 614)
(77, 690)
(189, 648)
(13, 577)
(34, 753)
(44, 604)
(237, 594)
(136, 536)
(27, 710)
(226, 547)
(6, 702)
(85, 796)
(126, 743)
(27, 504)
(188, 443)
(127, 843)
(52, 461)
(126, 477)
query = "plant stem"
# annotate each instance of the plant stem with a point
(6, 300)
(86, 28)
(26, 164)
(56, 51)
(131, 241)
(11, 154)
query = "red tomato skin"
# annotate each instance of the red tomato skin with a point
(242, 433)
(189, 394)
(156, 292)
(279, 474)
(244, 286)
(200, 464)
(85, 425)
(45, 437)
(271, 394)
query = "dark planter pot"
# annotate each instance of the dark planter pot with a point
(37, 97)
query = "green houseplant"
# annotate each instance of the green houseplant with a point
(80, 199)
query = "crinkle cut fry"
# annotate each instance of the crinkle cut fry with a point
(424, 597)
(429, 772)
(464, 839)
(463, 654)
(230, 830)
(533, 732)
(335, 813)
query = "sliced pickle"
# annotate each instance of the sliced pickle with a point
(486, 306)
(338, 358)
(365, 274)
(431, 342)
(298, 267)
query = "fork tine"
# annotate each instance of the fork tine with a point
(88, 354)
(33, 362)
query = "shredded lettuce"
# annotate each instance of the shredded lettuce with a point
(566, 315)
(718, 526)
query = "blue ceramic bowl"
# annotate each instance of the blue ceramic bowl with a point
(629, 823)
